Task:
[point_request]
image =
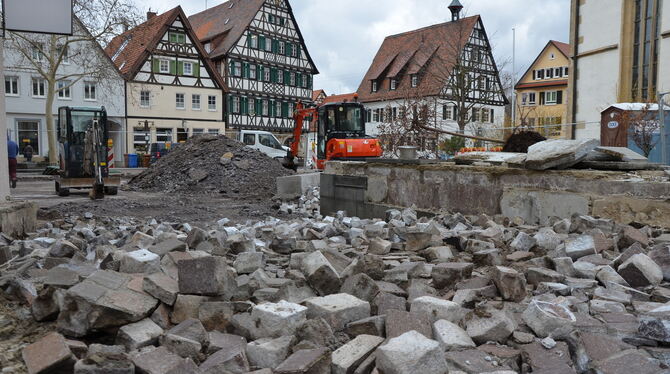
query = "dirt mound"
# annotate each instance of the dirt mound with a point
(213, 165)
(520, 141)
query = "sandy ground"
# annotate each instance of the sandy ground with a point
(177, 208)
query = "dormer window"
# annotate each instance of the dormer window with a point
(415, 80)
(374, 86)
(394, 84)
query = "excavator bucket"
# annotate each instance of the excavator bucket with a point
(97, 192)
(289, 163)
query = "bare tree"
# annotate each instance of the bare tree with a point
(62, 61)
(643, 127)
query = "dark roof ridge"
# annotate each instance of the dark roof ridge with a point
(428, 27)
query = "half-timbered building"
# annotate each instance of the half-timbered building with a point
(447, 69)
(258, 50)
(172, 89)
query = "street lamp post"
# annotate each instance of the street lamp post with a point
(664, 130)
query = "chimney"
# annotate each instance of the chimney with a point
(455, 9)
(151, 15)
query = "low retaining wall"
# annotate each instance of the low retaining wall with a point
(367, 190)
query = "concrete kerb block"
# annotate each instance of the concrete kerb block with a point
(294, 186)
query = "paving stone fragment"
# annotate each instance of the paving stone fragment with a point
(437, 309)
(361, 286)
(216, 315)
(278, 319)
(307, 361)
(219, 341)
(510, 283)
(338, 309)
(379, 246)
(641, 271)
(580, 246)
(233, 360)
(166, 246)
(49, 354)
(185, 307)
(248, 262)
(493, 325)
(321, 274)
(399, 322)
(448, 274)
(205, 276)
(537, 275)
(451, 336)
(162, 287)
(540, 359)
(348, 357)
(187, 339)
(269, 352)
(156, 361)
(139, 334)
(543, 317)
(410, 353)
(140, 261)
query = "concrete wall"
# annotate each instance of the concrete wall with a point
(532, 195)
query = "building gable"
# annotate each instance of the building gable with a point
(553, 56)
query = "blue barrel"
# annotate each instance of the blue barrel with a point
(132, 160)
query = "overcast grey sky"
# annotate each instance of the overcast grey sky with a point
(344, 35)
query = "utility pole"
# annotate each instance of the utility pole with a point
(664, 130)
(513, 77)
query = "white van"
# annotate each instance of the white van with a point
(264, 141)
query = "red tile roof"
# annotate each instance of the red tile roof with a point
(139, 39)
(430, 51)
(339, 98)
(316, 93)
(563, 47)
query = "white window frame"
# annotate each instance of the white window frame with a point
(277, 108)
(485, 115)
(532, 98)
(177, 97)
(266, 108)
(36, 52)
(164, 135)
(13, 84)
(190, 68)
(64, 93)
(167, 66)
(41, 87)
(394, 84)
(553, 95)
(415, 80)
(237, 69)
(252, 106)
(145, 99)
(566, 71)
(236, 104)
(292, 79)
(253, 72)
(197, 131)
(90, 91)
(254, 41)
(374, 86)
(213, 132)
(280, 76)
(558, 72)
(195, 102)
(211, 103)
(282, 48)
(268, 44)
(66, 55)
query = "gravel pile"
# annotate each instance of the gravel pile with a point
(213, 165)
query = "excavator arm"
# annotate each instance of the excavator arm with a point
(299, 116)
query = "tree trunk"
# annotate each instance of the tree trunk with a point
(51, 124)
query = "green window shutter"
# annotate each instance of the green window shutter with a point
(271, 18)
(249, 39)
(261, 73)
(298, 79)
(275, 46)
(244, 104)
(298, 50)
(173, 67)
(287, 77)
(230, 104)
(259, 106)
(180, 68)
(281, 21)
(245, 70)
(272, 108)
(172, 37)
(196, 69)
(284, 110)
(289, 49)
(157, 65)
(232, 68)
(261, 42)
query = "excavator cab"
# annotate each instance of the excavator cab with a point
(340, 134)
(82, 149)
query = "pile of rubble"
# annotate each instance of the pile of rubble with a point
(562, 154)
(213, 165)
(450, 294)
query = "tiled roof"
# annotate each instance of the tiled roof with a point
(130, 47)
(316, 93)
(339, 98)
(230, 18)
(563, 47)
(563, 82)
(431, 50)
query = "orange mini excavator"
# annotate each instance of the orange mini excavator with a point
(340, 134)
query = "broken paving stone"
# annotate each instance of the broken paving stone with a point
(248, 262)
(360, 286)
(230, 360)
(655, 328)
(269, 352)
(379, 246)
(411, 353)
(385, 301)
(537, 275)
(510, 283)
(205, 276)
(491, 325)
(164, 247)
(580, 246)
(523, 242)
(375, 325)
(161, 287)
(187, 339)
(543, 317)
(278, 319)
(641, 271)
(216, 315)
(448, 274)
(399, 322)
(558, 153)
(630, 235)
(338, 309)
(156, 361)
(348, 357)
(140, 261)
(437, 309)
(540, 359)
(451, 336)
(139, 334)
(306, 361)
(49, 354)
(63, 248)
(321, 274)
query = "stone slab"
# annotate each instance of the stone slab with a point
(293, 186)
